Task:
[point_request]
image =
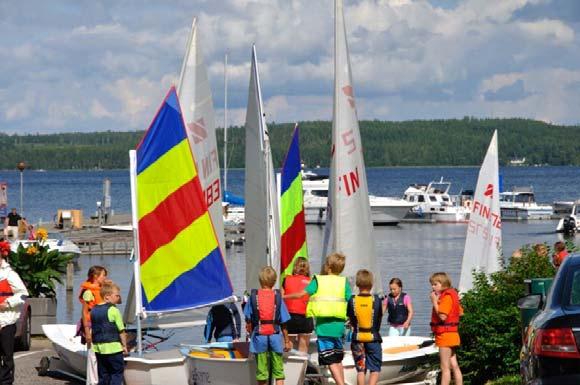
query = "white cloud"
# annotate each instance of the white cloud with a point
(98, 110)
(550, 30)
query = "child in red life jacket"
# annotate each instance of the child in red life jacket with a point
(266, 315)
(400, 309)
(366, 313)
(444, 324)
(299, 324)
(90, 295)
(108, 336)
(560, 253)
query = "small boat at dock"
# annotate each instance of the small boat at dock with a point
(433, 202)
(65, 246)
(520, 204)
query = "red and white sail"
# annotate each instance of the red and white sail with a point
(197, 107)
(483, 242)
(349, 228)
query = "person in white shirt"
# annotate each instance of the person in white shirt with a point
(12, 293)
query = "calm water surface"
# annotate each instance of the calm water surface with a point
(408, 251)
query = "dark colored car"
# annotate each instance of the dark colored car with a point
(551, 347)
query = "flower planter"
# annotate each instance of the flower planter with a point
(43, 311)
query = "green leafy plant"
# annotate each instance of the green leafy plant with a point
(491, 327)
(39, 267)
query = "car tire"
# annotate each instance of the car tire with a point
(22, 343)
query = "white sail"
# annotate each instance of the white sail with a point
(349, 229)
(197, 107)
(483, 243)
(262, 223)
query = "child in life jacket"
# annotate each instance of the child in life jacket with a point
(223, 322)
(400, 309)
(329, 293)
(444, 323)
(90, 295)
(365, 313)
(560, 253)
(266, 315)
(108, 336)
(299, 324)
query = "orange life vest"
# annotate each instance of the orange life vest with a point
(295, 284)
(266, 311)
(94, 288)
(5, 290)
(451, 323)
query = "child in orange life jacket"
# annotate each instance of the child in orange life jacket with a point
(444, 324)
(329, 293)
(90, 295)
(266, 315)
(365, 313)
(560, 253)
(108, 336)
(400, 309)
(299, 324)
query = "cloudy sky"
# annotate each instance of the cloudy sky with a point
(80, 65)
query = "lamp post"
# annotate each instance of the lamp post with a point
(21, 166)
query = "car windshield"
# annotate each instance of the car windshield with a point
(575, 291)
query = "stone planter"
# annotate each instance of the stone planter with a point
(43, 311)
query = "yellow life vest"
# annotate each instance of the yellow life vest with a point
(328, 301)
(363, 310)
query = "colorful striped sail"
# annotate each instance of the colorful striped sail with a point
(292, 222)
(180, 262)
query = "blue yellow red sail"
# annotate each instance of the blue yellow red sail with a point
(292, 222)
(181, 265)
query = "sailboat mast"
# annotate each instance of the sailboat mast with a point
(225, 124)
(136, 261)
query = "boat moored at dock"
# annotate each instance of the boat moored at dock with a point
(520, 204)
(433, 202)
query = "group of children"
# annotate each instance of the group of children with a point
(278, 320)
(101, 326)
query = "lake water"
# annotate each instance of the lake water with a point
(409, 251)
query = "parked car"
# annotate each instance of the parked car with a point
(551, 347)
(22, 337)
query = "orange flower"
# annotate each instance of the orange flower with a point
(41, 234)
(31, 250)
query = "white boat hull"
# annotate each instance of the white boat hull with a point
(221, 371)
(68, 347)
(412, 365)
(526, 213)
(63, 245)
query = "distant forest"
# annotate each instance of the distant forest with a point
(455, 142)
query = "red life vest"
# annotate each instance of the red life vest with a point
(295, 284)
(266, 311)
(94, 288)
(5, 290)
(451, 323)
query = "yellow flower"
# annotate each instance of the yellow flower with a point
(31, 250)
(41, 234)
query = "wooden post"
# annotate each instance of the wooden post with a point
(70, 269)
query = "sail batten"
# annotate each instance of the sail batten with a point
(483, 242)
(180, 264)
(349, 228)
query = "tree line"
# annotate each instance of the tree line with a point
(451, 142)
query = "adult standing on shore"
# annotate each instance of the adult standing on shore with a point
(12, 293)
(11, 224)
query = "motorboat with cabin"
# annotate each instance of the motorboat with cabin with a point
(570, 224)
(433, 202)
(384, 210)
(520, 204)
(65, 246)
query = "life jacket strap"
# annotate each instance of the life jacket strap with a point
(365, 330)
(268, 322)
(6, 293)
(327, 299)
(444, 323)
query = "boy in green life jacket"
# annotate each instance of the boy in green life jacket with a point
(109, 337)
(329, 293)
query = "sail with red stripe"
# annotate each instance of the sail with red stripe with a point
(292, 222)
(180, 265)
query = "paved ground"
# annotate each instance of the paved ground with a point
(27, 362)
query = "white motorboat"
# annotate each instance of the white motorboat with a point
(405, 359)
(233, 215)
(117, 228)
(520, 204)
(570, 224)
(433, 202)
(384, 210)
(63, 245)
(68, 347)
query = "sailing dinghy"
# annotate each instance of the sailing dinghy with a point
(349, 228)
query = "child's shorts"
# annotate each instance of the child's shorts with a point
(367, 356)
(262, 365)
(330, 350)
(299, 324)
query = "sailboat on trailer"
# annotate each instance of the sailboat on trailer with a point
(349, 228)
